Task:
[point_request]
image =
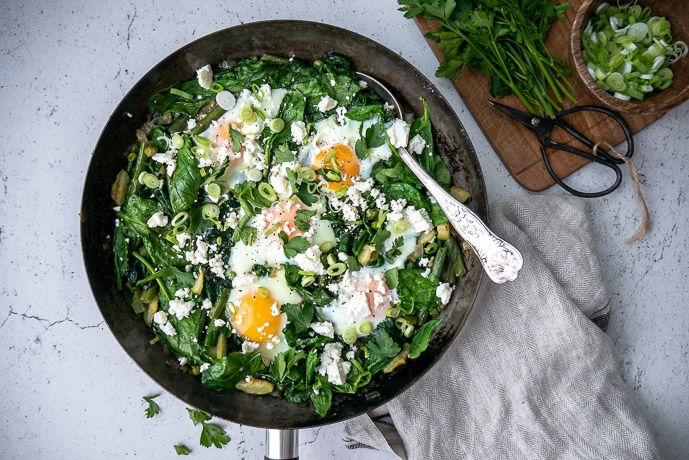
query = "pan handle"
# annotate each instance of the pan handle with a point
(282, 445)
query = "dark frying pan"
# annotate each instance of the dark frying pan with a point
(306, 41)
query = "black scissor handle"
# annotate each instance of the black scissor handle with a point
(586, 141)
(601, 161)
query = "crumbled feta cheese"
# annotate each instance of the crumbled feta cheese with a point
(378, 299)
(333, 287)
(182, 238)
(394, 216)
(350, 355)
(217, 267)
(325, 328)
(206, 304)
(398, 205)
(219, 323)
(269, 346)
(248, 379)
(419, 219)
(274, 309)
(363, 84)
(204, 75)
(249, 347)
(160, 317)
(349, 213)
(244, 279)
(310, 260)
(232, 220)
(204, 367)
(279, 179)
(180, 308)
(168, 159)
(357, 306)
(444, 292)
(423, 262)
(342, 256)
(417, 144)
(191, 124)
(332, 83)
(267, 91)
(298, 131)
(362, 186)
(168, 329)
(326, 103)
(252, 130)
(183, 293)
(199, 255)
(341, 118)
(182, 360)
(381, 202)
(331, 363)
(398, 133)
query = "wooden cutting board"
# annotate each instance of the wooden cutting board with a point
(518, 147)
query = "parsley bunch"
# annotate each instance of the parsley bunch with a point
(503, 39)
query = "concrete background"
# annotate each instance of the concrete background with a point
(69, 391)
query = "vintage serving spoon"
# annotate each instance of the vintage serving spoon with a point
(501, 260)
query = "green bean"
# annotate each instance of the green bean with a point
(456, 267)
(179, 124)
(219, 306)
(439, 262)
(215, 113)
(221, 346)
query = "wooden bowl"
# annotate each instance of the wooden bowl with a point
(677, 12)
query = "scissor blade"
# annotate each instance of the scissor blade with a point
(522, 117)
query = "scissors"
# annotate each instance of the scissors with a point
(544, 126)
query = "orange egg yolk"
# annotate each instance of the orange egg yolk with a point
(346, 161)
(283, 212)
(223, 137)
(254, 318)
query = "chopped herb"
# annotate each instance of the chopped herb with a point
(181, 449)
(382, 345)
(301, 219)
(293, 246)
(283, 154)
(152, 408)
(395, 251)
(237, 138)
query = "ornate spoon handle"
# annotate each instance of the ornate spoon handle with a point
(501, 260)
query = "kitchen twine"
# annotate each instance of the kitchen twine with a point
(634, 174)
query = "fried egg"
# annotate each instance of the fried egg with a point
(257, 316)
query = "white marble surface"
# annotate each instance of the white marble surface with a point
(69, 391)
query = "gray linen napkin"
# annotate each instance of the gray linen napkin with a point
(532, 375)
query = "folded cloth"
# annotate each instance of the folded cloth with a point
(532, 374)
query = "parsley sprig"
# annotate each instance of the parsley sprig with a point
(211, 434)
(152, 408)
(503, 39)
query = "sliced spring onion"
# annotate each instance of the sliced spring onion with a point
(258, 92)
(307, 281)
(225, 100)
(431, 248)
(180, 93)
(272, 229)
(204, 141)
(306, 173)
(267, 191)
(216, 87)
(392, 312)
(199, 151)
(254, 175)
(331, 259)
(336, 269)
(326, 246)
(246, 115)
(365, 328)
(625, 49)
(210, 211)
(214, 190)
(399, 226)
(263, 292)
(180, 218)
(349, 335)
(177, 141)
(151, 181)
(276, 125)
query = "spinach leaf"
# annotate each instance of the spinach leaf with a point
(291, 110)
(360, 149)
(188, 330)
(182, 279)
(422, 337)
(120, 254)
(230, 369)
(365, 112)
(197, 223)
(311, 363)
(283, 362)
(158, 137)
(138, 211)
(381, 345)
(322, 401)
(186, 180)
(432, 163)
(417, 291)
(392, 278)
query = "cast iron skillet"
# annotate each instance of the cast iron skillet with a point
(306, 41)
